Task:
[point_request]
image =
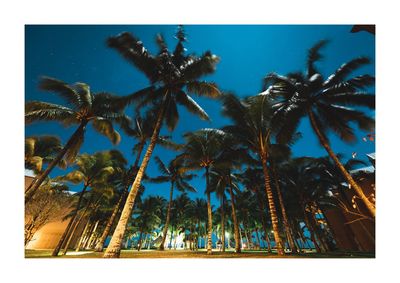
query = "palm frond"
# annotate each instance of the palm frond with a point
(191, 105)
(62, 89)
(203, 88)
(313, 56)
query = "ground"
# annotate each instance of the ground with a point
(198, 254)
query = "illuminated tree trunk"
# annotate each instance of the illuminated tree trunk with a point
(271, 203)
(283, 210)
(235, 222)
(82, 237)
(370, 206)
(114, 248)
(223, 222)
(209, 214)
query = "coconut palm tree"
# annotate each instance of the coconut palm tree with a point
(176, 174)
(83, 107)
(253, 128)
(221, 180)
(330, 104)
(141, 130)
(199, 213)
(148, 219)
(172, 76)
(41, 150)
(202, 150)
(91, 170)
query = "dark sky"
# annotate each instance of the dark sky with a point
(78, 53)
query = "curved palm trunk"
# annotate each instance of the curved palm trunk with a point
(292, 245)
(114, 248)
(370, 206)
(272, 210)
(312, 234)
(69, 226)
(258, 239)
(31, 190)
(165, 230)
(104, 235)
(235, 222)
(83, 236)
(209, 214)
(223, 223)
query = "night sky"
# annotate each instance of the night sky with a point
(78, 53)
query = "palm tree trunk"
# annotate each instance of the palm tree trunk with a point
(235, 222)
(114, 248)
(140, 241)
(73, 217)
(104, 235)
(223, 222)
(271, 203)
(71, 235)
(258, 238)
(209, 214)
(82, 237)
(78, 223)
(31, 190)
(165, 230)
(92, 236)
(283, 210)
(370, 206)
(170, 239)
(312, 232)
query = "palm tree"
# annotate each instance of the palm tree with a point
(199, 213)
(176, 174)
(40, 150)
(141, 131)
(222, 179)
(330, 105)
(253, 128)
(148, 218)
(201, 151)
(171, 75)
(91, 170)
(84, 107)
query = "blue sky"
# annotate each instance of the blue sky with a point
(78, 53)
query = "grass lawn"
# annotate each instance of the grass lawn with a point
(198, 254)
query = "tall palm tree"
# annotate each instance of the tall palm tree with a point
(83, 107)
(40, 150)
(201, 151)
(176, 174)
(141, 130)
(253, 127)
(91, 170)
(330, 104)
(172, 76)
(221, 180)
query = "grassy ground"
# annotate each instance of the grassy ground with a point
(198, 254)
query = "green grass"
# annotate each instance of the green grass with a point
(199, 254)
